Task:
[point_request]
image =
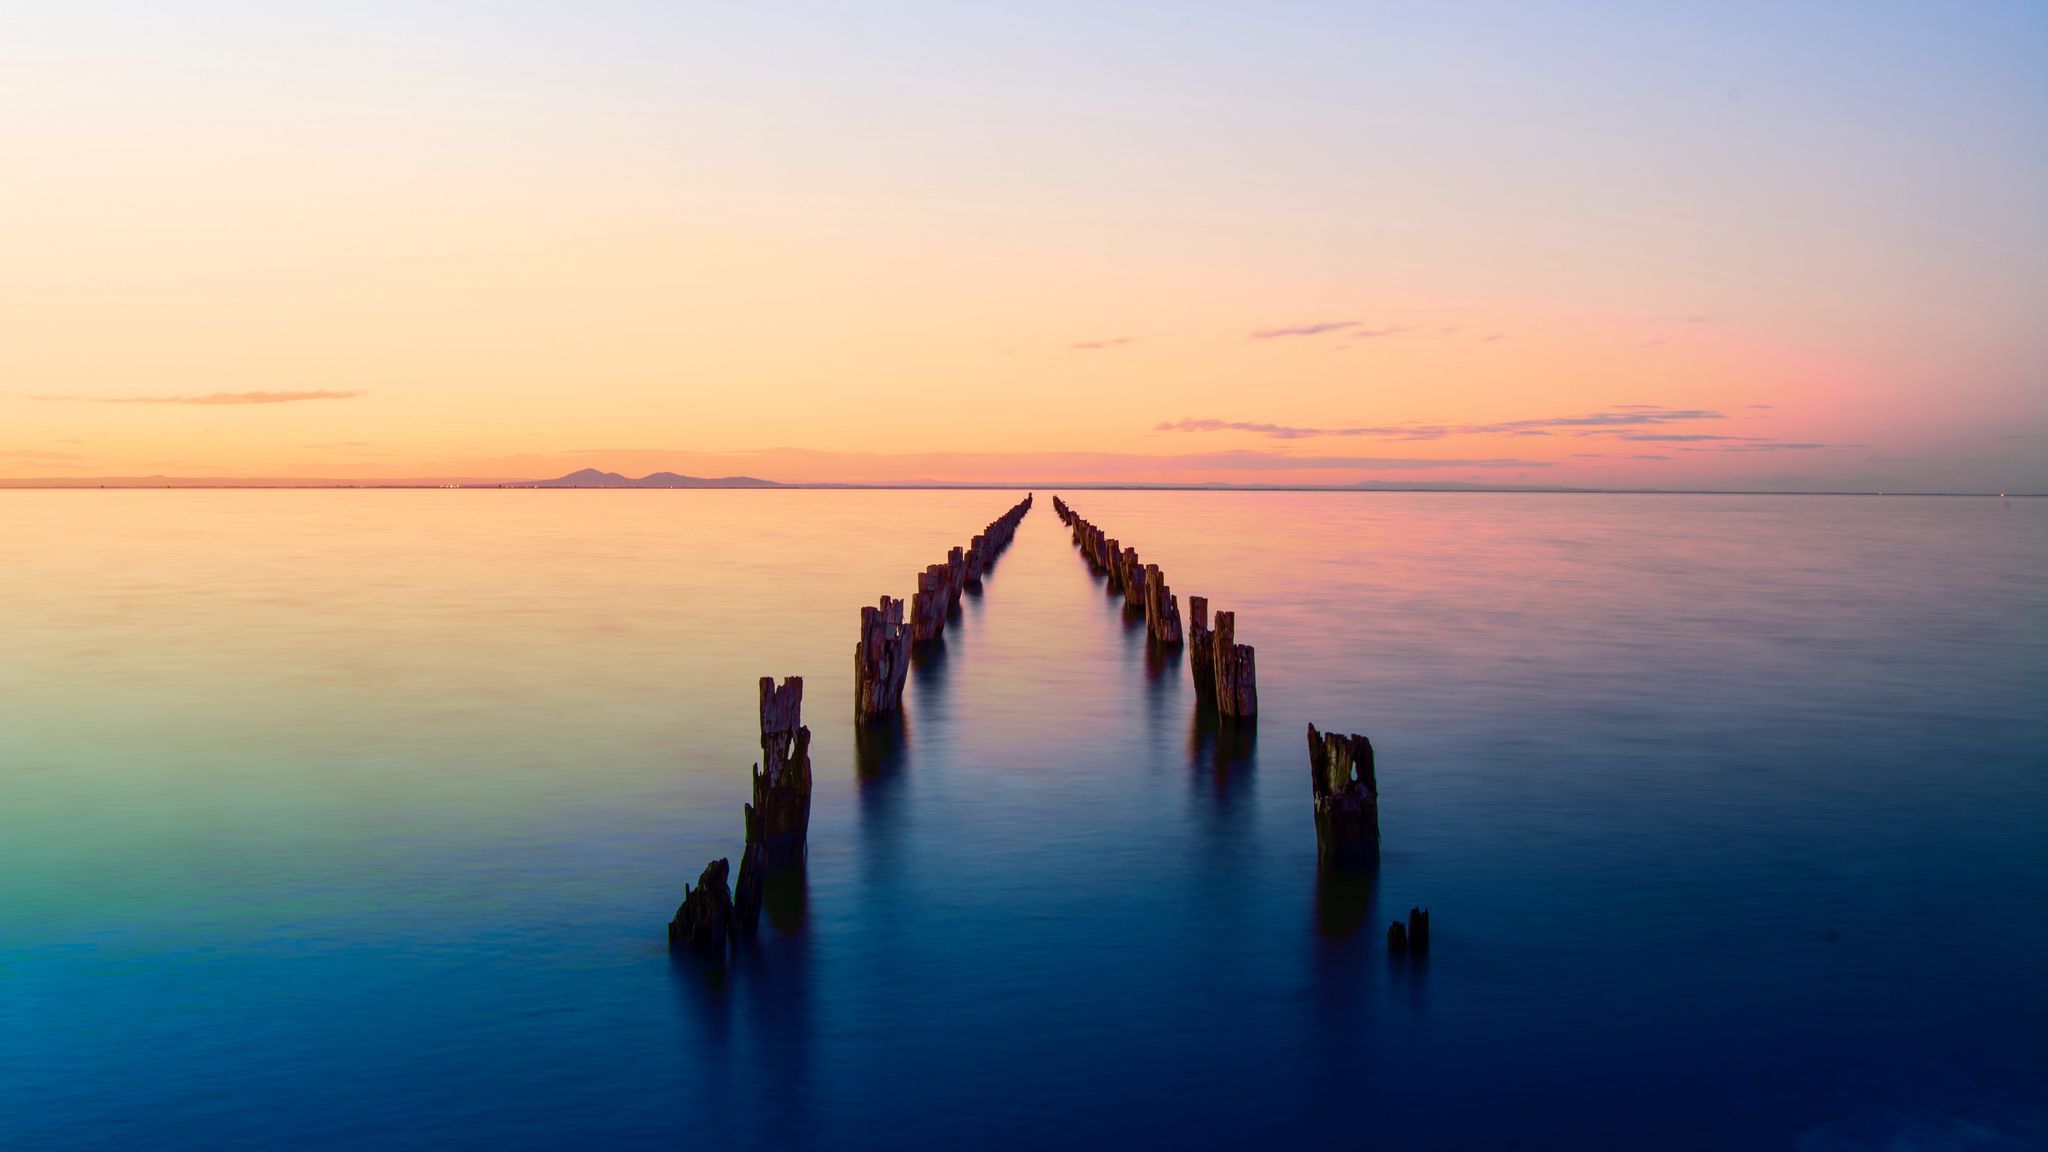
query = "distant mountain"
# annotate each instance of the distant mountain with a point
(592, 478)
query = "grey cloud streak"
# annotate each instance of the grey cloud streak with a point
(1304, 329)
(1595, 423)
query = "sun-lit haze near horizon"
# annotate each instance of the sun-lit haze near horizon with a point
(1743, 247)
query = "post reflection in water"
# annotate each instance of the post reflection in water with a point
(1345, 902)
(760, 1079)
(881, 751)
(1225, 752)
(1162, 663)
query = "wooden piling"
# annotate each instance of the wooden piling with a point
(782, 781)
(1201, 651)
(1237, 688)
(881, 660)
(1347, 798)
(1162, 608)
(703, 920)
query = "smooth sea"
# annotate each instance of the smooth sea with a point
(353, 819)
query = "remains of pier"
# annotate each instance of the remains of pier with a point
(1143, 585)
(1347, 801)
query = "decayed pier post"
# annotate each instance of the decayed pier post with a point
(1132, 579)
(1162, 607)
(753, 881)
(928, 605)
(976, 549)
(1201, 650)
(1237, 686)
(1347, 798)
(704, 919)
(782, 781)
(881, 660)
(1412, 937)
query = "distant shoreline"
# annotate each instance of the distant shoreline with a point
(127, 485)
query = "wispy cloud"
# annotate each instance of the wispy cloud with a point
(1763, 407)
(1767, 446)
(1304, 329)
(1098, 345)
(210, 398)
(1275, 461)
(1593, 423)
(37, 454)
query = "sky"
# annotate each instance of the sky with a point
(1732, 246)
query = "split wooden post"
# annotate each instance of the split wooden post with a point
(881, 660)
(782, 781)
(1347, 798)
(1237, 687)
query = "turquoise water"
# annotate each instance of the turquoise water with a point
(350, 818)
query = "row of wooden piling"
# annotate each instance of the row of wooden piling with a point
(1225, 672)
(713, 915)
(881, 659)
(1343, 783)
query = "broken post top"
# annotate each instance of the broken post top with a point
(782, 708)
(1337, 762)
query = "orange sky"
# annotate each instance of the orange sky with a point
(383, 245)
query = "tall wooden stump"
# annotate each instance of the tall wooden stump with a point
(1237, 680)
(704, 919)
(1347, 800)
(928, 605)
(1201, 650)
(977, 549)
(881, 660)
(1162, 608)
(1131, 578)
(746, 891)
(956, 576)
(782, 781)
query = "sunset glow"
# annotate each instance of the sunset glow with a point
(1297, 244)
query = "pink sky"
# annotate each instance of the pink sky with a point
(1048, 246)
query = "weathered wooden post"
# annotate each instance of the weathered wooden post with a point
(881, 660)
(747, 890)
(1347, 798)
(704, 918)
(1201, 651)
(1131, 579)
(977, 548)
(782, 781)
(1411, 938)
(1162, 608)
(1237, 687)
(956, 576)
(928, 605)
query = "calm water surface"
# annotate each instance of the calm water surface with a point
(341, 818)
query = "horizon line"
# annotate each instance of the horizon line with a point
(208, 483)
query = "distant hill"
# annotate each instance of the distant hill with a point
(592, 478)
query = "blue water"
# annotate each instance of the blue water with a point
(345, 819)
